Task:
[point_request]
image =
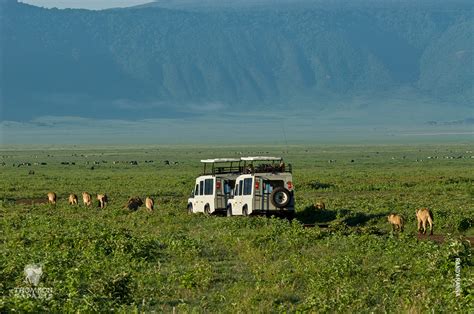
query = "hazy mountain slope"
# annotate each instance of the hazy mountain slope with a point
(157, 61)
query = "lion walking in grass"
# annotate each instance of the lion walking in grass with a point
(396, 221)
(424, 215)
(52, 198)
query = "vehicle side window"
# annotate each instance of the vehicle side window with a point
(267, 188)
(236, 190)
(196, 190)
(201, 188)
(208, 186)
(241, 185)
(248, 186)
(227, 187)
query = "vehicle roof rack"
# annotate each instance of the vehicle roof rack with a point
(216, 166)
(216, 160)
(255, 158)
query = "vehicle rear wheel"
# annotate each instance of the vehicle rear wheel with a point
(280, 197)
(229, 211)
(207, 210)
(245, 211)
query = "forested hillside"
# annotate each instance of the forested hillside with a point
(171, 59)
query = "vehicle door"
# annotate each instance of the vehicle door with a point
(208, 197)
(198, 203)
(267, 189)
(237, 200)
(227, 188)
(258, 193)
(247, 195)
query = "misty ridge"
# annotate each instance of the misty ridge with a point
(361, 63)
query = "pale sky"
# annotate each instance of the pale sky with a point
(85, 4)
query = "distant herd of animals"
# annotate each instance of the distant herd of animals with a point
(133, 203)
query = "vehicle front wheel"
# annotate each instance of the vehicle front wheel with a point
(190, 209)
(229, 211)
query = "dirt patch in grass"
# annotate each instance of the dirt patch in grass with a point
(31, 201)
(440, 238)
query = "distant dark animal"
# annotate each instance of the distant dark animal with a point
(72, 199)
(133, 203)
(423, 216)
(166, 162)
(52, 198)
(320, 205)
(31, 172)
(396, 221)
(149, 203)
(102, 198)
(134, 163)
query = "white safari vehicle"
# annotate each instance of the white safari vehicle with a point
(214, 187)
(264, 187)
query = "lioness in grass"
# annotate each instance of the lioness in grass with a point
(150, 203)
(52, 198)
(72, 199)
(423, 216)
(86, 199)
(320, 205)
(396, 221)
(102, 198)
(134, 202)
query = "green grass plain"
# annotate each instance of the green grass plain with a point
(113, 259)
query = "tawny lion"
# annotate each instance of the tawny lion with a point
(133, 203)
(52, 198)
(320, 205)
(150, 203)
(72, 199)
(86, 199)
(424, 215)
(102, 200)
(396, 221)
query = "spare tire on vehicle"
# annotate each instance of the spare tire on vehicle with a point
(280, 197)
